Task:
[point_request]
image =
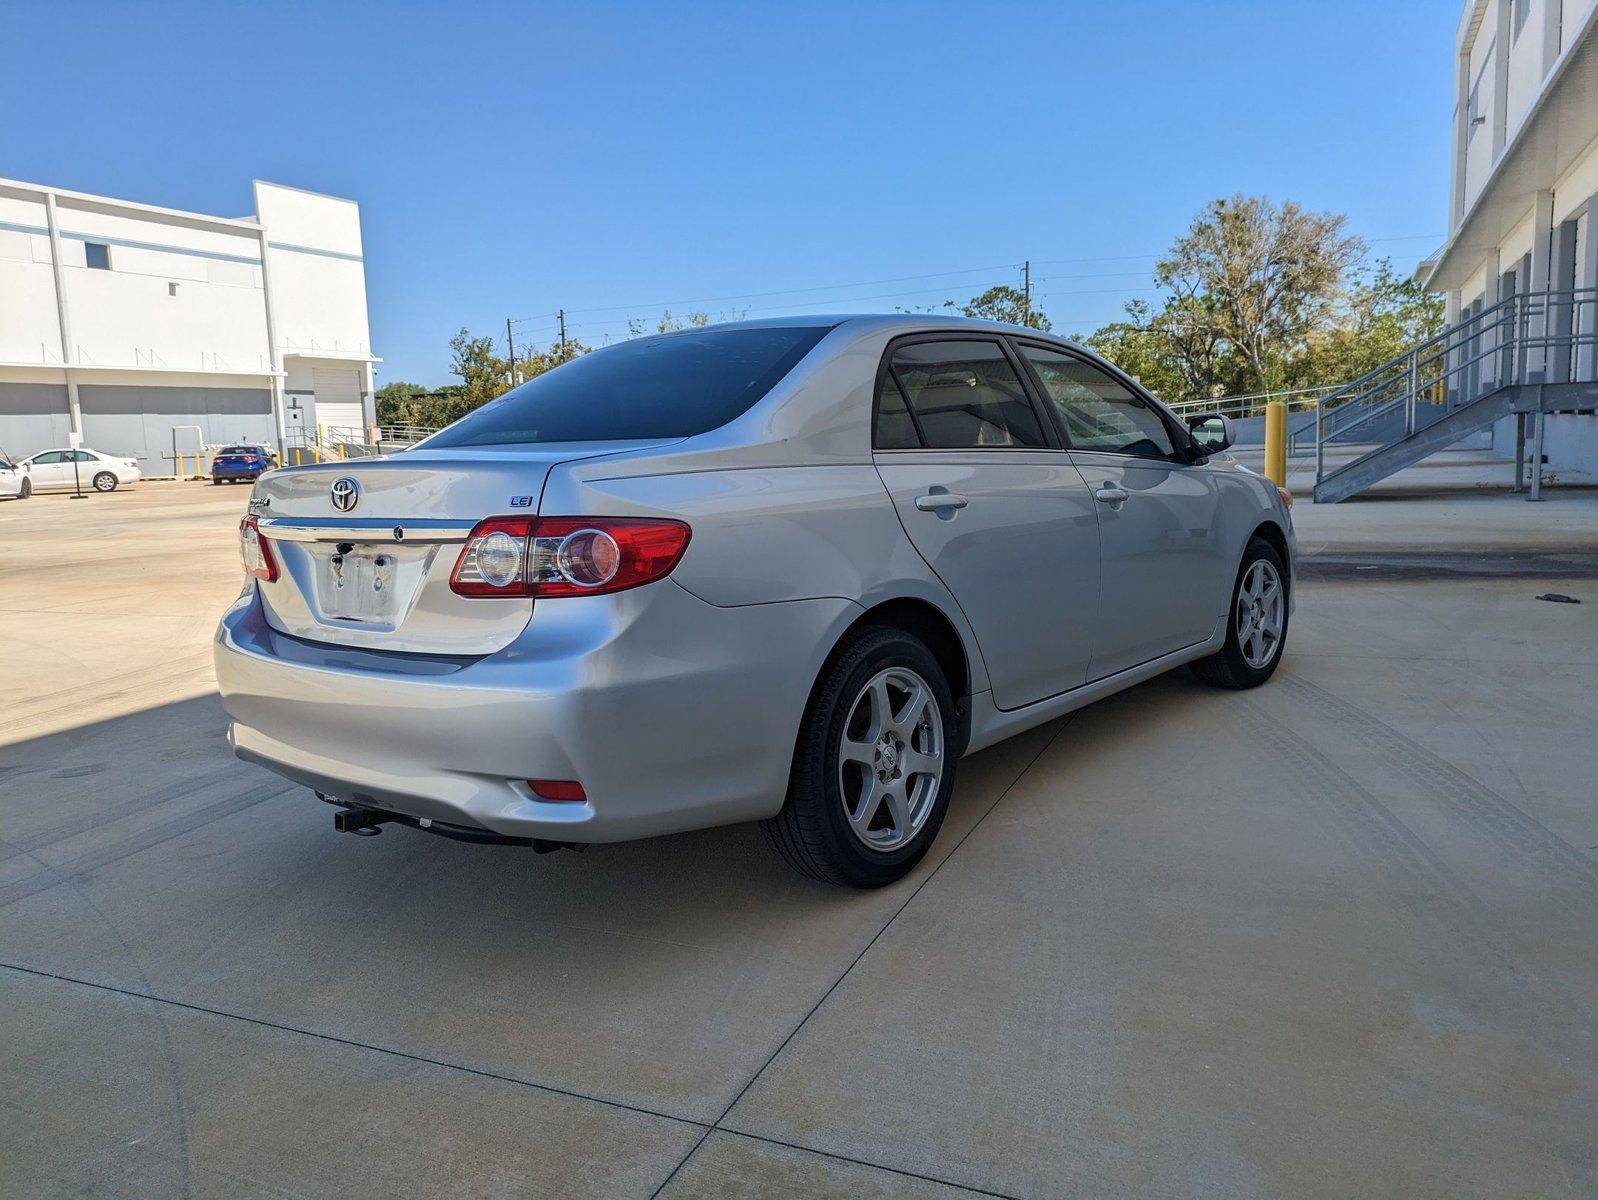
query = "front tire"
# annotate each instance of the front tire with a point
(27, 489)
(874, 765)
(1256, 622)
(104, 481)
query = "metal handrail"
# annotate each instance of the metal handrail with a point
(1528, 337)
(1249, 403)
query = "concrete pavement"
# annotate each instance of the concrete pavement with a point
(1335, 936)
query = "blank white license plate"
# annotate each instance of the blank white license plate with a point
(360, 587)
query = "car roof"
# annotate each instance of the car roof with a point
(894, 324)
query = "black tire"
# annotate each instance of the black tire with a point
(27, 489)
(812, 832)
(104, 481)
(1228, 667)
(216, 481)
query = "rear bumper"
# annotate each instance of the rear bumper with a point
(241, 471)
(673, 714)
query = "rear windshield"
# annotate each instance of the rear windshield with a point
(238, 450)
(671, 386)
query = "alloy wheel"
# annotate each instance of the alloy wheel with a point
(1261, 607)
(891, 758)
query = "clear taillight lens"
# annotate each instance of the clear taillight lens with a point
(256, 552)
(566, 556)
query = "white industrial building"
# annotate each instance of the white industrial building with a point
(149, 330)
(1524, 206)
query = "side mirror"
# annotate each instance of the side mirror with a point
(1212, 432)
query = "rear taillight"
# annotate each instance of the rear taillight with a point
(566, 556)
(256, 551)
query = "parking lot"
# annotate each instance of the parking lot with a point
(1334, 937)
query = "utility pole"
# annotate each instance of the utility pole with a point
(510, 346)
(562, 316)
(1026, 287)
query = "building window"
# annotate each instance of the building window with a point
(1519, 10)
(98, 256)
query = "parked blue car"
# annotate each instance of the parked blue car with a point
(232, 463)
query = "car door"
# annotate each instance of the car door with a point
(1157, 512)
(10, 477)
(88, 465)
(50, 470)
(993, 505)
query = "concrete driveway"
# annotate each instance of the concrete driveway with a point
(1337, 936)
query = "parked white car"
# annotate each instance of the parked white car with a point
(63, 469)
(14, 481)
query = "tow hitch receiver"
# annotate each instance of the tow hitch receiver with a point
(367, 822)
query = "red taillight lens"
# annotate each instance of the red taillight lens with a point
(566, 556)
(256, 551)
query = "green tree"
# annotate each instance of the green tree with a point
(394, 398)
(1265, 279)
(1007, 304)
(1385, 314)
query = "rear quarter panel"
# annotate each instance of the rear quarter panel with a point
(765, 535)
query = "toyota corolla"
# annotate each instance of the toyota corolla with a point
(788, 571)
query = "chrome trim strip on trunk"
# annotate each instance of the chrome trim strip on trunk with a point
(364, 529)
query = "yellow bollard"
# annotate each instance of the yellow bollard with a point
(1276, 442)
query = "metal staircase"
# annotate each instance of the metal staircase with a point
(1527, 355)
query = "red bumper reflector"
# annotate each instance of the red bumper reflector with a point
(558, 789)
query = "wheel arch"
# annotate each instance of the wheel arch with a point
(927, 622)
(1276, 536)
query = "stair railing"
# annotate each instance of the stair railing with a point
(1542, 337)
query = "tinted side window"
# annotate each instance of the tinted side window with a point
(1098, 411)
(895, 430)
(964, 394)
(53, 456)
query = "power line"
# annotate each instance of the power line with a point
(552, 323)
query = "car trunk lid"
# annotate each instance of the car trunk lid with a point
(365, 549)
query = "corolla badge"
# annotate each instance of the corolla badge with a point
(345, 493)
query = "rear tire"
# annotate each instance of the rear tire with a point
(873, 768)
(27, 489)
(1256, 622)
(104, 481)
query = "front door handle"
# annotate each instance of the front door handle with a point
(939, 502)
(1109, 493)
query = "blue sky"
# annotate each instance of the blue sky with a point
(613, 158)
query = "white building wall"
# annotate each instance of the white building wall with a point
(30, 331)
(1525, 60)
(1482, 79)
(318, 273)
(178, 331)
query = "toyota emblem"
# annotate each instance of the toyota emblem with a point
(345, 493)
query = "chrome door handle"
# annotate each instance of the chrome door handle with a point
(1108, 493)
(940, 502)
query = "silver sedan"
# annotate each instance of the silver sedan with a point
(787, 571)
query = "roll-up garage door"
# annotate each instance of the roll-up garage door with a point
(338, 402)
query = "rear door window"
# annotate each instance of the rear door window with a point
(671, 386)
(964, 394)
(1098, 411)
(895, 429)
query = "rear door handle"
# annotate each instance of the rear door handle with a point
(1108, 493)
(940, 502)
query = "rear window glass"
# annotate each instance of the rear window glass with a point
(238, 450)
(674, 385)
